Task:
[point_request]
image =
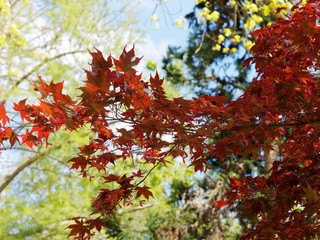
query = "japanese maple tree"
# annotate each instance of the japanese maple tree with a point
(281, 105)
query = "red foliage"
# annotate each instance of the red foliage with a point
(282, 103)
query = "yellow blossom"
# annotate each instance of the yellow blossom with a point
(254, 7)
(217, 47)
(247, 6)
(250, 7)
(256, 18)
(199, 1)
(232, 3)
(248, 45)
(179, 22)
(214, 16)
(13, 73)
(221, 38)
(3, 41)
(14, 30)
(5, 7)
(154, 17)
(236, 39)
(225, 50)
(249, 24)
(39, 54)
(227, 32)
(156, 26)
(18, 42)
(233, 50)
(266, 10)
(205, 11)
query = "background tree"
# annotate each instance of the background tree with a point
(42, 37)
(218, 43)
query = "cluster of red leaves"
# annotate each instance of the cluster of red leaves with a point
(281, 104)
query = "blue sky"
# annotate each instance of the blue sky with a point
(158, 40)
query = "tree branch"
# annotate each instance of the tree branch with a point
(17, 83)
(134, 209)
(10, 177)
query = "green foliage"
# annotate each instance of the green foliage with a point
(42, 37)
(151, 65)
(52, 39)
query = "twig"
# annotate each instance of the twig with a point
(19, 169)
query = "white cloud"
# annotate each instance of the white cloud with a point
(153, 51)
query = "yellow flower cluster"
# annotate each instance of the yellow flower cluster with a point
(236, 39)
(232, 3)
(248, 45)
(207, 15)
(274, 4)
(14, 35)
(221, 38)
(41, 54)
(250, 6)
(3, 40)
(199, 1)
(19, 42)
(266, 10)
(13, 73)
(180, 22)
(252, 22)
(233, 50)
(256, 11)
(5, 7)
(217, 47)
(10, 35)
(14, 30)
(227, 32)
(154, 17)
(226, 50)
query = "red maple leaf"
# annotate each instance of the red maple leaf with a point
(143, 191)
(3, 115)
(126, 61)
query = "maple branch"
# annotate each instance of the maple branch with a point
(19, 169)
(142, 180)
(134, 209)
(157, 164)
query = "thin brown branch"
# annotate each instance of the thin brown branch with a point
(134, 209)
(10, 177)
(24, 77)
